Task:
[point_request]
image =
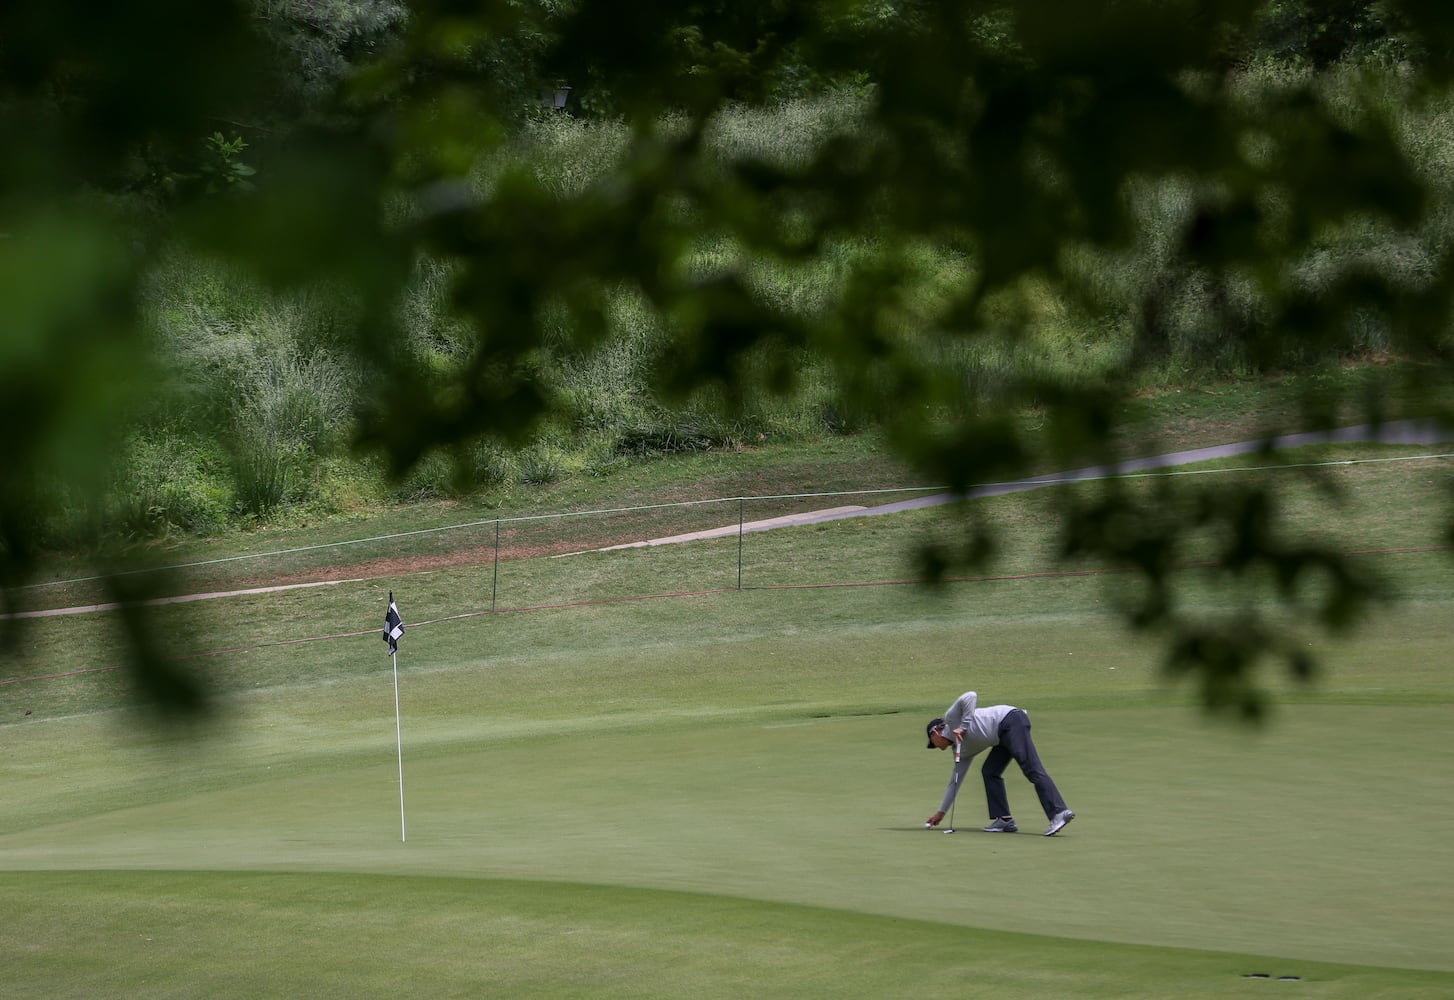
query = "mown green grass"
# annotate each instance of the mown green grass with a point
(723, 793)
(774, 771)
(277, 934)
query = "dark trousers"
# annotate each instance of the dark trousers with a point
(1015, 744)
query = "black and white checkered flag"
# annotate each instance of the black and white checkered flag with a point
(393, 626)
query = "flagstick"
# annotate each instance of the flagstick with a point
(399, 732)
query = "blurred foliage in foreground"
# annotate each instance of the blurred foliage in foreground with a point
(1264, 181)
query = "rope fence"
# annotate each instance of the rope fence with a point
(574, 533)
(553, 561)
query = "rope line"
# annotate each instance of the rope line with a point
(1056, 479)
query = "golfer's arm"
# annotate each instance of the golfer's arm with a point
(955, 780)
(955, 715)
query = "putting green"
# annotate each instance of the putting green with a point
(1189, 836)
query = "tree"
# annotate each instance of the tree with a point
(1027, 140)
(1323, 33)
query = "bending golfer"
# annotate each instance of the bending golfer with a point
(1006, 730)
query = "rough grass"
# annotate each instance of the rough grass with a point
(215, 933)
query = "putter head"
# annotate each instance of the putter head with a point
(950, 830)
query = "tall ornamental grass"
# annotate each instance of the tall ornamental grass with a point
(254, 421)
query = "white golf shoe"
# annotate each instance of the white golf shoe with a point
(1058, 823)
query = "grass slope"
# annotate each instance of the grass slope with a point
(175, 935)
(723, 794)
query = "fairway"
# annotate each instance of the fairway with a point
(723, 795)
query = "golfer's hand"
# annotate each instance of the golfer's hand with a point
(934, 820)
(959, 734)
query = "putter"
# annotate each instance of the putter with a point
(956, 788)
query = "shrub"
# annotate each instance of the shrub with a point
(264, 476)
(167, 482)
(487, 464)
(541, 465)
(291, 411)
(432, 478)
(300, 402)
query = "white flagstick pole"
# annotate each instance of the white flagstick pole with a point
(393, 630)
(399, 733)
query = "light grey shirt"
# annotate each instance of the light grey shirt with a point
(981, 730)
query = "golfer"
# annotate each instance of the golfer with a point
(1006, 730)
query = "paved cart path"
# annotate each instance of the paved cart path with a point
(1420, 432)
(179, 599)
